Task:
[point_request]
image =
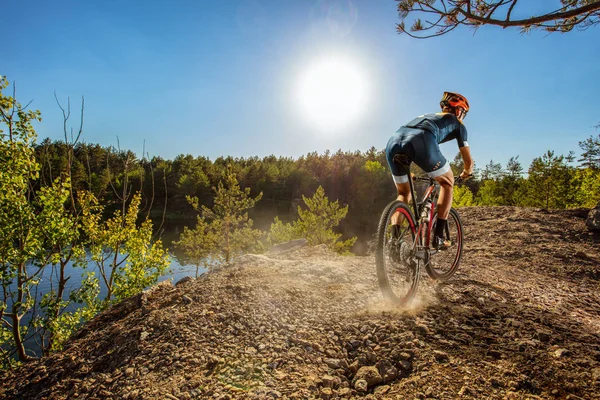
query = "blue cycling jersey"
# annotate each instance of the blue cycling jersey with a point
(419, 140)
(445, 127)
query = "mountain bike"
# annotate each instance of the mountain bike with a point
(404, 244)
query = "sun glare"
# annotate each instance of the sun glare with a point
(332, 94)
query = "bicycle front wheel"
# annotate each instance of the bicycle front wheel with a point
(397, 268)
(441, 265)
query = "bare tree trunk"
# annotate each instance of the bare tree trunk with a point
(16, 318)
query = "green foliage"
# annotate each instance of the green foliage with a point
(127, 258)
(315, 224)
(225, 231)
(40, 228)
(587, 181)
(590, 158)
(462, 197)
(488, 194)
(198, 244)
(548, 184)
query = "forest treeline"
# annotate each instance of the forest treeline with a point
(358, 179)
(82, 217)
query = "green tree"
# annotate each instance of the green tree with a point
(587, 182)
(590, 158)
(488, 194)
(125, 255)
(463, 197)
(36, 229)
(198, 244)
(548, 184)
(224, 231)
(315, 224)
(491, 170)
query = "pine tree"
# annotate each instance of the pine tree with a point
(225, 230)
(590, 158)
(315, 224)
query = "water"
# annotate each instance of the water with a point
(49, 278)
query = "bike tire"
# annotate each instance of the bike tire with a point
(443, 264)
(398, 281)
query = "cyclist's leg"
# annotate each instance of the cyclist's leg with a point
(399, 144)
(431, 160)
(446, 181)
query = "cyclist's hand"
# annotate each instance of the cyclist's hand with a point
(465, 175)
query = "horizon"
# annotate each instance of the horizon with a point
(219, 80)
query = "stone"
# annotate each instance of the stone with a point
(440, 356)
(561, 353)
(593, 219)
(361, 385)
(368, 374)
(333, 363)
(387, 371)
(331, 381)
(354, 366)
(184, 280)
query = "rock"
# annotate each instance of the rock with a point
(440, 356)
(326, 393)
(387, 371)
(593, 218)
(361, 385)
(464, 391)
(184, 280)
(543, 336)
(481, 301)
(354, 366)
(406, 366)
(331, 381)
(187, 299)
(335, 363)
(368, 374)
(561, 353)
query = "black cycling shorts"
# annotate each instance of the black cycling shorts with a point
(421, 147)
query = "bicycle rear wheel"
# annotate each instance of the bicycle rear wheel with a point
(397, 268)
(441, 265)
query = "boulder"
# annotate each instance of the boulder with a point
(593, 218)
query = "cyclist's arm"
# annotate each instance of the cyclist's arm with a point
(465, 153)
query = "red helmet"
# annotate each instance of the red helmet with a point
(454, 100)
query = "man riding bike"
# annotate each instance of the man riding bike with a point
(418, 141)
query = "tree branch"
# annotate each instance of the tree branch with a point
(482, 12)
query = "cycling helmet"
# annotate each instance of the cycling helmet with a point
(455, 100)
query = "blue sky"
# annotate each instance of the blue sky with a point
(220, 77)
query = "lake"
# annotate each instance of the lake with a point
(175, 272)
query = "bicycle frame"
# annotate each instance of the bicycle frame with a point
(431, 192)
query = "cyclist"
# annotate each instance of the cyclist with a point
(418, 141)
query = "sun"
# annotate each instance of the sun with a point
(332, 93)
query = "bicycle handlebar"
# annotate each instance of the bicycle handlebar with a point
(458, 179)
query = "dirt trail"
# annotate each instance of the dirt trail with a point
(521, 319)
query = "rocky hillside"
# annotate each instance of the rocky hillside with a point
(520, 320)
